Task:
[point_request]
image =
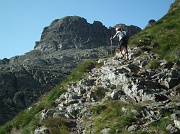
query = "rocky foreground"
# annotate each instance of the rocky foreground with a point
(129, 81)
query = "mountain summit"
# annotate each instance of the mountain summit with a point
(74, 32)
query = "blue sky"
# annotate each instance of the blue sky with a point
(22, 21)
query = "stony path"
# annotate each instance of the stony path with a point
(138, 86)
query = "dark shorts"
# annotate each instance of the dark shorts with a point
(122, 43)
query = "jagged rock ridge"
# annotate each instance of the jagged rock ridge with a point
(75, 32)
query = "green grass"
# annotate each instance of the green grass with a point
(163, 36)
(154, 64)
(110, 115)
(23, 119)
(58, 125)
(78, 72)
(160, 126)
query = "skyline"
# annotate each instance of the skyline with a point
(22, 22)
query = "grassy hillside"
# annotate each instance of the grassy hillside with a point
(163, 36)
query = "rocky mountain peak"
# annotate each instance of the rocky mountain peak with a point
(75, 32)
(72, 32)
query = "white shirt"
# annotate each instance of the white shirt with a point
(120, 34)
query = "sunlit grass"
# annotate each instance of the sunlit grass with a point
(164, 36)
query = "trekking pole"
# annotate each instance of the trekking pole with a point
(111, 44)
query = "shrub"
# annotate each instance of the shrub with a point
(99, 93)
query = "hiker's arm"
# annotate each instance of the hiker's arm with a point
(114, 36)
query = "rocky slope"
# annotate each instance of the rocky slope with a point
(63, 45)
(155, 91)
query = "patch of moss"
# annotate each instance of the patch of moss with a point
(154, 64)
(99, 93)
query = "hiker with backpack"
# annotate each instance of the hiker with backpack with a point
(123, 41)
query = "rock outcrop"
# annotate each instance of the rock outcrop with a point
(151, 22)
(75, 32)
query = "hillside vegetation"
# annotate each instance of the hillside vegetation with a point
(163, 36)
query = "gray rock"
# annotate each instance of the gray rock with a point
(176, 118)
(133, 128)
(105, 131)
(172, 129)
(42, 130)
(116, 94)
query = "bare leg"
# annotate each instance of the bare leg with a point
(121, 53)
(126, 52)
(127, 56)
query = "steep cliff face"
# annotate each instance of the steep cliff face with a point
(63, 45)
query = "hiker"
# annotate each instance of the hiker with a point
(123, 41)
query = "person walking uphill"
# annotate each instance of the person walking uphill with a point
(123, 41)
